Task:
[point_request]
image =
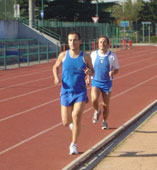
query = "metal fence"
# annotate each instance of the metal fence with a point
(18, 55)
(23, 55)
(88, 30)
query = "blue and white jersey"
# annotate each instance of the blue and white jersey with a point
(73, 76)
(103, 64)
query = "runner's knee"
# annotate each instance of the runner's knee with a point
(94, 99)
(76, 119)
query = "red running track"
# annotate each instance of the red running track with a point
(31, 133)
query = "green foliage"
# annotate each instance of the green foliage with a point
(24, 5)
(127, 10)
(7, 9)
(68, 10)
(23, 9)
(148, 12)
(76, 10)
(154, 39)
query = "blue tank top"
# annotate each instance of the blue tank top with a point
(73, 76)
(102, 68)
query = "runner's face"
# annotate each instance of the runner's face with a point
(73, 41)
(103, 44)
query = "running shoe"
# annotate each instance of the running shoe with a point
(104, 125)
(96, 116)
(73, 149)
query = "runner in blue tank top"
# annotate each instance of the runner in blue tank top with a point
(75, 66)
(105, 65)
(73, 75)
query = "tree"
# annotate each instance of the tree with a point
(68, 10)
(148, 12)
(127, 11)
(61, 10)
(24, 8)
(7, 9)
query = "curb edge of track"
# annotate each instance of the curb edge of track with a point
(106, 140)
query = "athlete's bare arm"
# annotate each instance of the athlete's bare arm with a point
(113, 72)
(90, 70)
(57, 65)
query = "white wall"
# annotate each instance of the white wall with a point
(17, 30)
(8, 29)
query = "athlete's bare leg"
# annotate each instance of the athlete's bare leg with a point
(105, 104)
(77, 115)
(66, 114)
(95, 93)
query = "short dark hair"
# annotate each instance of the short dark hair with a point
(74, 32)
(104, 36)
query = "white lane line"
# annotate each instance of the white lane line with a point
(125, 91)
(15, 85)
(28, 74)
(21, 95)
(28, 110)
(139, 84)
(17, 114)
(136, 62)
(143, 68)
(49, 69)
(59, 124)
(136, 56)
(32, 137)
(24, 75)
(59, 84)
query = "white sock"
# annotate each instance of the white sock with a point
(71, 126)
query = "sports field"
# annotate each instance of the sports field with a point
(31, 133)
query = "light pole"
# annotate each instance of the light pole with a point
(123, 19)
(97, 15)
(97, 9)
(31, 12)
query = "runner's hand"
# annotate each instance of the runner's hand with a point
(88, 71)
(56, 81)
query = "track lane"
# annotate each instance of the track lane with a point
(47, 141)
(24, 153)
(40, 116)
(12, 105)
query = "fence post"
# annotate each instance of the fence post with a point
(124, 44)
(116, 43)
(84, 45)
(5, 59)
(28, 59)
(57, 50)
(39, 53)
(90, 48)
(64, 47)
(117, 36)
(47, 52)
(92, 44)
(18, 56)
(112, 43)
(96, 44)
(60, 47)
